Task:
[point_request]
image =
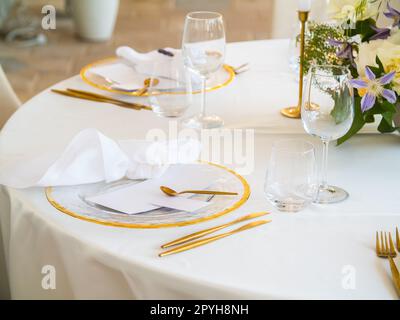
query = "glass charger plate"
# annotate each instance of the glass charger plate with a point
(218, 80)
(71, 200)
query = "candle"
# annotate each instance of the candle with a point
(304, 5)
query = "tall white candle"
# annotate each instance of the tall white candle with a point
(304, 5)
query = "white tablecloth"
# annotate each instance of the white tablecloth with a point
(321, 252)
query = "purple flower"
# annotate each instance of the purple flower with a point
(345, 50)
(393, 14)
(374, 88)
(381, 33)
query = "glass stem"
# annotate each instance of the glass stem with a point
(203, 97)
(324, 168)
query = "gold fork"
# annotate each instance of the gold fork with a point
(397, 239)
(385, 249)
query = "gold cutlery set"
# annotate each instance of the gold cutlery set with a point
(385, 248)
(190, 241)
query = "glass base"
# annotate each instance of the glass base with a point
(168, 111)
(203, 122)
(169, 114)
(331, 194)
(290, 205)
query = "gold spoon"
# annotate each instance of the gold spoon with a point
(147, 83)
(202, 233)
(172, 193)
(201, 242)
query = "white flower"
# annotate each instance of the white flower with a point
(353, 10)
(387, 50)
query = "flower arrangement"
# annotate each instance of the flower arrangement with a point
(372, 54)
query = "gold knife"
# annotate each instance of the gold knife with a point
(202, 233)
(201, 242)
(99, 98)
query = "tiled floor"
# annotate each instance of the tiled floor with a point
(143, 24)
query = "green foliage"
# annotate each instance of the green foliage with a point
(341, 109)
(317, 49)
(357, 124)
(364, 29)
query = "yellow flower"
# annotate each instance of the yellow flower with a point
(394, 65)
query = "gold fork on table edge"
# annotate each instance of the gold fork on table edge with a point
(201, 242)
(80, 94)
(385, 249)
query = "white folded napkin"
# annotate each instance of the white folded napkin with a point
(159, 63)
(166, 59)
(92, 157)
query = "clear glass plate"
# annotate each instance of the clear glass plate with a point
(219, 79)
(72, 200)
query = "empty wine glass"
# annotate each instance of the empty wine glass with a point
(327, 112)
(203, 49)
(171, 95)
(291, 182)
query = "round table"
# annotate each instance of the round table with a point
(324, 251)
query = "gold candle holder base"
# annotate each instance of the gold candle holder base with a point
(295, 112)
(291, 112)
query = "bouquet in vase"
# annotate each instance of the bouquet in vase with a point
(370, 51)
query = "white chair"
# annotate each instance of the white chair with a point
(9, 101)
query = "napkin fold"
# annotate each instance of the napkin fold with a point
(163, 63)
(166, 59)
(93, 157)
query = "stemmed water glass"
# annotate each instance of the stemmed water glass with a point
(327, 112)
(203, 50)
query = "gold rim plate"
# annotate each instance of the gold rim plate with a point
(86, 78)
(243, 198)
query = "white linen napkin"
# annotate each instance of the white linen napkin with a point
(144, 63)
(93, 157)
(162, 63)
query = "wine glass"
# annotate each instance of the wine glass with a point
(327, 112)
(203, 50)
(291, 182)
(171, 95)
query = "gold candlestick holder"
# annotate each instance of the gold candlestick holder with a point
(295, 112)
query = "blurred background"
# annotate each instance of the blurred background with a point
(34, 58)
